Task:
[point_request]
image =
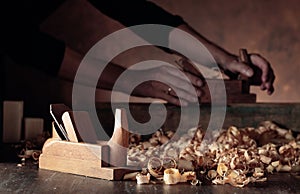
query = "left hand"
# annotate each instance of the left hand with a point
(166, 82)
(261, 73)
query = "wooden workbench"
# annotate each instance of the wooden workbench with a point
(30, 179)
(240, 115)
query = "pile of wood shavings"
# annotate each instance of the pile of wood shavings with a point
(234, 156)
(31, 149)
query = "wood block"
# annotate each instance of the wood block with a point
(33, 127)
(237, 91)
(237, 86)
(242, 98)
(83, 168)
(12, 121)
(237, 98)
(80, 151)
(231, 86)
(80, 158)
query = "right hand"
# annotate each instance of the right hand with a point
(261, 73)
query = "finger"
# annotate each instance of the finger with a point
(263, 64)
(174, 78)
(159, 90)
(182, 94)
(263, 86)
(271, 90)
(189, 67)
(193, 73)
(270, 80)
(190, 96)
(269, 85)
(196, 81)
(184, 85)
(186, 77)
(242, 68)
(170, 98)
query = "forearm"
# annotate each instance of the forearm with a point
(70, 65)
(221, 56)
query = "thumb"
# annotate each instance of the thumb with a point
(242, 68)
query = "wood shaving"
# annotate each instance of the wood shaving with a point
(237, 157)
(171, 176)
(142, 179)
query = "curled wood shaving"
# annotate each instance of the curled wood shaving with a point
(195, 182)
(237, 157)
(222, 169)
(171, 176)
(155, 167)
(142, 179)
(211, 174)
(188, 176)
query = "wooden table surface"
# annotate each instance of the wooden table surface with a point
(30, 179)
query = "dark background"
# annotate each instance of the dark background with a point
(1, 91)
(269, 27)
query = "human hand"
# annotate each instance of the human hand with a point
(261, 73)
(169, 83)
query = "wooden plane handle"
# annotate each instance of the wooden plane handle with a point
(119, 141)
(244, 58)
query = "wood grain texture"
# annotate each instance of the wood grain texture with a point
(119, 141)
(29, 179)
(70, 127)
(80, 158)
